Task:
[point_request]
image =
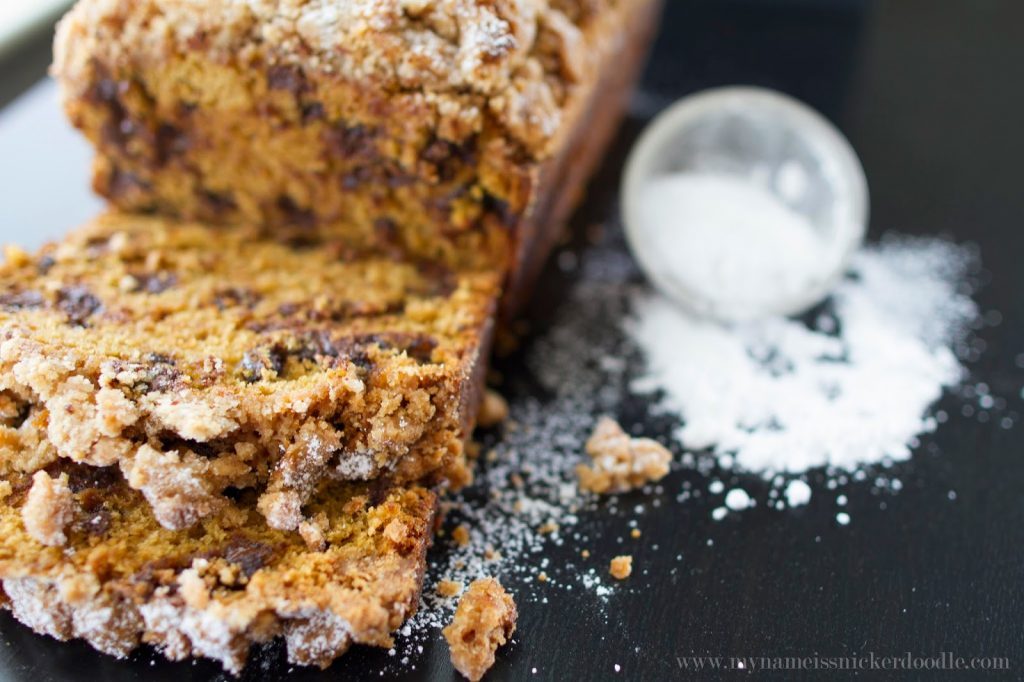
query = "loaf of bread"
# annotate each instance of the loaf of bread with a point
(450, 129)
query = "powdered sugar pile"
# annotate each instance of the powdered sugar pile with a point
(854, 385)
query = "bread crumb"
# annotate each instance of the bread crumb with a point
(48, 508)
(621, 567)
(542, 577)
(548, 528)
(493, 410)
(621, 463)
(461, 535)
(484, 620)
(313, 530)
(448, 588)
(585, 554)
(635, 533)
(396, 531)
(15, 255)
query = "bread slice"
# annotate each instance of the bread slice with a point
(116, 578)
(201, 362)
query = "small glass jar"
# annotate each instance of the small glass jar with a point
(776, 144)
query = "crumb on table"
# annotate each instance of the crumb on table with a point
(493, 410)
(548, 528)
(621, 567)
(484, 620)
(448, 588)
(621, 462)
(461, 535)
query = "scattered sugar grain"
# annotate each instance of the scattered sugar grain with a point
(737, 499)
(797, 493)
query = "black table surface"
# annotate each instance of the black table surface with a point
(931, 94)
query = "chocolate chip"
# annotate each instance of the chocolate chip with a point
(249, 555)
(22, 300)
(351, 309)
(233, 297)
(104, 91)
(218, 203)
(97, 246)
(170, 142)
(160, 377)
(448, 157)
(418, 346)
(160, 359)
(437, 151)
(303, 242)
(438, 279)
(15, 411)
(386, 230)
(121, 184)
(90, 500)
(118, 128)
(500, 208)
(258, 361)
(45, 264)
(95, 524)
(396, 178)
(78, 304)
(209, 450)
(154, 282)
(287, 78)
(351, 181)
(235, 494)
(316, 344)
(313, 111)
(294, 215)
(160, 571)
(95, 518)
(351, 141)
(82, 477)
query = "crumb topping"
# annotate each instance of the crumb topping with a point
(513, 60)
(493, 410)
(460, 535)
(485, 620)
(449, 588)
(620, 462)
(621, 567)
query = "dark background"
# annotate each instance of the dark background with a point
(931, 94)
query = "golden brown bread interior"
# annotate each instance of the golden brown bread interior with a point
(201, 360)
